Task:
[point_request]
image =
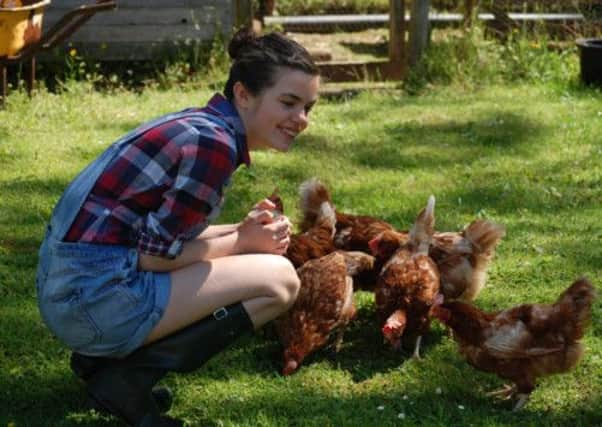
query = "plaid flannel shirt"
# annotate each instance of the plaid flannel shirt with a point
(167, 183)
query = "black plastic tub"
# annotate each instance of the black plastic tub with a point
(590, 54)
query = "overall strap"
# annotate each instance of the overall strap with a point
(77, 192)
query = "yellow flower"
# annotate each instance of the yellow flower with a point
(73, 52)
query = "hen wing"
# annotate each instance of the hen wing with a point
(324, 302)
(521, 332)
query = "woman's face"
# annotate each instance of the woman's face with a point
(279, 113)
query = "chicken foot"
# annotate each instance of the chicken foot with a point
(507, 392)
(335, 345)
(504, 393)
(338, 342)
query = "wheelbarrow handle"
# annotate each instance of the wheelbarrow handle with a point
(71, 21)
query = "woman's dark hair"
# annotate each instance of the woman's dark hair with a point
(256, 59)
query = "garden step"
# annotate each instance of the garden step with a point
(350, 89)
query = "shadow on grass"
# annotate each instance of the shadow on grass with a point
(35, 376)
(414, 145)
(304, 402)
(363, 353)
(21, 187)
(43, 391)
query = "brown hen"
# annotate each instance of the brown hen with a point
(462, 257)
(408, 283)
(522, 343)
(324, 304)
(317, 238)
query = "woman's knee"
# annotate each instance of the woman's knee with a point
(285, 284)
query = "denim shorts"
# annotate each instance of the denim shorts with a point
(94, 299)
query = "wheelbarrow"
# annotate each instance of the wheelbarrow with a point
(23, 38)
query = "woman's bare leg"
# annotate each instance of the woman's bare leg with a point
(267, 285)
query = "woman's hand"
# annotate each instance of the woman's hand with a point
(263, 209)
(264, 230)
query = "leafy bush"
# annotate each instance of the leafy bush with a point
(469, 58)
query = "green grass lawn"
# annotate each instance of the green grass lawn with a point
(526, 156)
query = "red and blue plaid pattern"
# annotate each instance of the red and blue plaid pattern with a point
(167, 183)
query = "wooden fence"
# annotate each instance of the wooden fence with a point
(141, 29)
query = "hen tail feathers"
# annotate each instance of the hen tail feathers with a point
(576, 302)
(357, 262)
(484, 236)
(422, 231)
(315, 204)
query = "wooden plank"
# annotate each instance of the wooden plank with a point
(167, 16)
(419, 30)
(145, 4)
(143, 33)
(119, 51)
(243, 13)
(338, 90)
(142, 29)
(469, 10)
(359, 71)
(397, 31)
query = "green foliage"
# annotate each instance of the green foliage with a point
(471, 59)
(183, 62)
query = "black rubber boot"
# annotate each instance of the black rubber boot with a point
(85, 366)
(123, 386)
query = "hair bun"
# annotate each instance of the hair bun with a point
(242, 38)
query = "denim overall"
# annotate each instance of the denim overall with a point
(91, 296)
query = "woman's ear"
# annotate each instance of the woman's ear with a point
(242, 96)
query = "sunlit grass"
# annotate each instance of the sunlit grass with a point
(524, 155)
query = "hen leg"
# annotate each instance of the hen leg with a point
(523, 398)
(524, 385)
(416, 354)
(338, 340)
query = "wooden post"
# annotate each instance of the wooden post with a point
(397, 25)
(243, 13)
(3, 85)
(419, 30)
(468, 12)
(31, 79)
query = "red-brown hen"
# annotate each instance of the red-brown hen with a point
(523, 343)
(324, 304)
(408, 283)
(317, 239)
(462, 257)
